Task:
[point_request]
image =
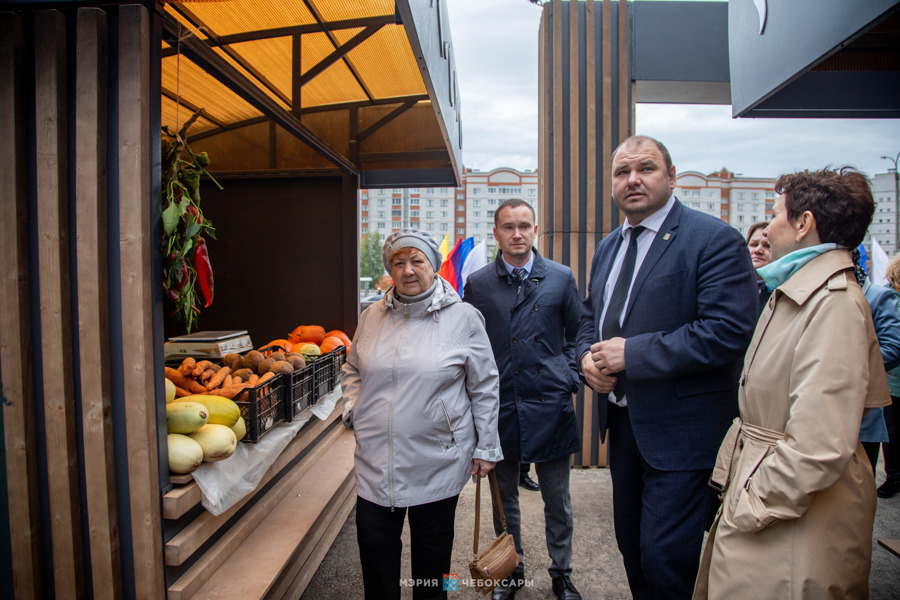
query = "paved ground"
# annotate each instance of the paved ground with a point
(597, 565)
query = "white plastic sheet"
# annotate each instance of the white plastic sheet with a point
(225, 483)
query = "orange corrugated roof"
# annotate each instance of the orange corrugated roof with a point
(380, 67)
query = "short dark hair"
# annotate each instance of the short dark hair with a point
(512, 203)
(641, 140)
(840, 200)
(754, 227)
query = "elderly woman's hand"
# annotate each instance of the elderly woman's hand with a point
(482, 467)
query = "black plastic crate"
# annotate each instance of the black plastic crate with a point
(324, 378)
(262, 406)
(339, 358)
(300, 392)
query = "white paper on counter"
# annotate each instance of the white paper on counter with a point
(225, 483)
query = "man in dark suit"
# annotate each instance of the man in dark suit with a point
(670, 310)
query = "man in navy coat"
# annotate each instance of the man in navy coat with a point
(532, 312)
(671, 307)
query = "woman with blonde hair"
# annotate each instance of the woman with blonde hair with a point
(891, 449)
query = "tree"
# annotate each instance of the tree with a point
(370, 264)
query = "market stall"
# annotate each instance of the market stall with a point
(303, 103)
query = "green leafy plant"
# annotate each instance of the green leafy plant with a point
(186, 264)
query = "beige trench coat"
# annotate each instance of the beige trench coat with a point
(796, 518)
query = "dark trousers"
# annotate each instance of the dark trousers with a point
(378, 530)
(659, 516)
(892, 449)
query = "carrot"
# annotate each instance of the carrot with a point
(253, 380)
(217, 379)
(227, 392)
(229, 380)
(206, 376)
(181, 392)
(187, 366)
(176, 377)
(236, 380)
(200, 367)
(265, 377)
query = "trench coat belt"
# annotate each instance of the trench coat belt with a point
(721, 474)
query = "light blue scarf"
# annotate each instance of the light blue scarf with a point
(777, 272)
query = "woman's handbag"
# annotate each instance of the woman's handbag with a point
(496, 562)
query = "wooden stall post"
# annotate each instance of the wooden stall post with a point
(15, 320)
(137, 298)
(93, 300)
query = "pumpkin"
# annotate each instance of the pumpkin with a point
(308, 350)
(307, 333)
(331, 343)
(340, 335)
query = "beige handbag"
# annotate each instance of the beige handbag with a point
(496, 562)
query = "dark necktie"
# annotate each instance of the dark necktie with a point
(611, 327)
(519, 274)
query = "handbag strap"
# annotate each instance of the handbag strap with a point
(495, 494)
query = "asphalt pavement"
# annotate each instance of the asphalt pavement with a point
(597, 566)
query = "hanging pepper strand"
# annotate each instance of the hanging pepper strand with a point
(204, 271)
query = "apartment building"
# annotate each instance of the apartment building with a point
(884, 221)
(460, 213)
(737, 200)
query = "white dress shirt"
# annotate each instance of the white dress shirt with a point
(652, 225)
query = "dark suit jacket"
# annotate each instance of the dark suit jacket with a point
(689, 319)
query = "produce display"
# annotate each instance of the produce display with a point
(210, 406)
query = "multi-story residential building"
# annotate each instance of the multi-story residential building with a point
(459, 213)
(737, 200)
(884, 221)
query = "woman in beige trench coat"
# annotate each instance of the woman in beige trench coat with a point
(798, 497)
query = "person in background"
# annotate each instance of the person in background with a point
(421, 395)
(671, 305)
(525, 479)
(798, 496)
(532, 310)
(883, 301)
(760, 255)
(891, 449)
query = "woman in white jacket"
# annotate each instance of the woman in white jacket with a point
(421, 393)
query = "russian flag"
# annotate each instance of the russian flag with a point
(463, 260)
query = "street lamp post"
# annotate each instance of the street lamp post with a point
(896, 202)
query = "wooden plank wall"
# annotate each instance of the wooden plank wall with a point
(17, 401)
(585, 108)
(80, 427)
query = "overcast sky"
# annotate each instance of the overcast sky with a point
(495, 46)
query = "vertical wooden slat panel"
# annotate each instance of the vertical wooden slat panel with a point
(15, 319)
(560, 168)
(544, 67)
(55, 302)
(137, 310)
(624, 87)
(568, 231)
(608, 144)
(93, 321)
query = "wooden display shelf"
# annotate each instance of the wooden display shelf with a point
(272, 551)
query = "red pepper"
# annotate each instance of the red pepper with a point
(193, 210)
(204, 271)
(183, 269)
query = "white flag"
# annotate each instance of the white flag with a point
(476, 259)
(879, 264)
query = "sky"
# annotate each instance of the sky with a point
(495, 45)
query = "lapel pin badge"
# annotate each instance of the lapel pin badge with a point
(666, 237)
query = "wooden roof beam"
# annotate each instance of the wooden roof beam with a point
(339, 53)
(385, 120)
(208, 60)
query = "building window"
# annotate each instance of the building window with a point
(492, 190)
(476, 190)
(364, 219)
(477, 226)
(712, 206)
(429, 214)
(381, 202)
(380, 214)
(492, 202)
(443, 214)
(443, 227)
(413, 201)
(477, 214)
(365, 196)
(443, 203)
(476, 202)
(460, 219)
(429, 202)
(490, 214)
(364, 231)
(532, 192)
(460, 231)
(428, 191)
(381, 226)
(460, 208)
(414, 213)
